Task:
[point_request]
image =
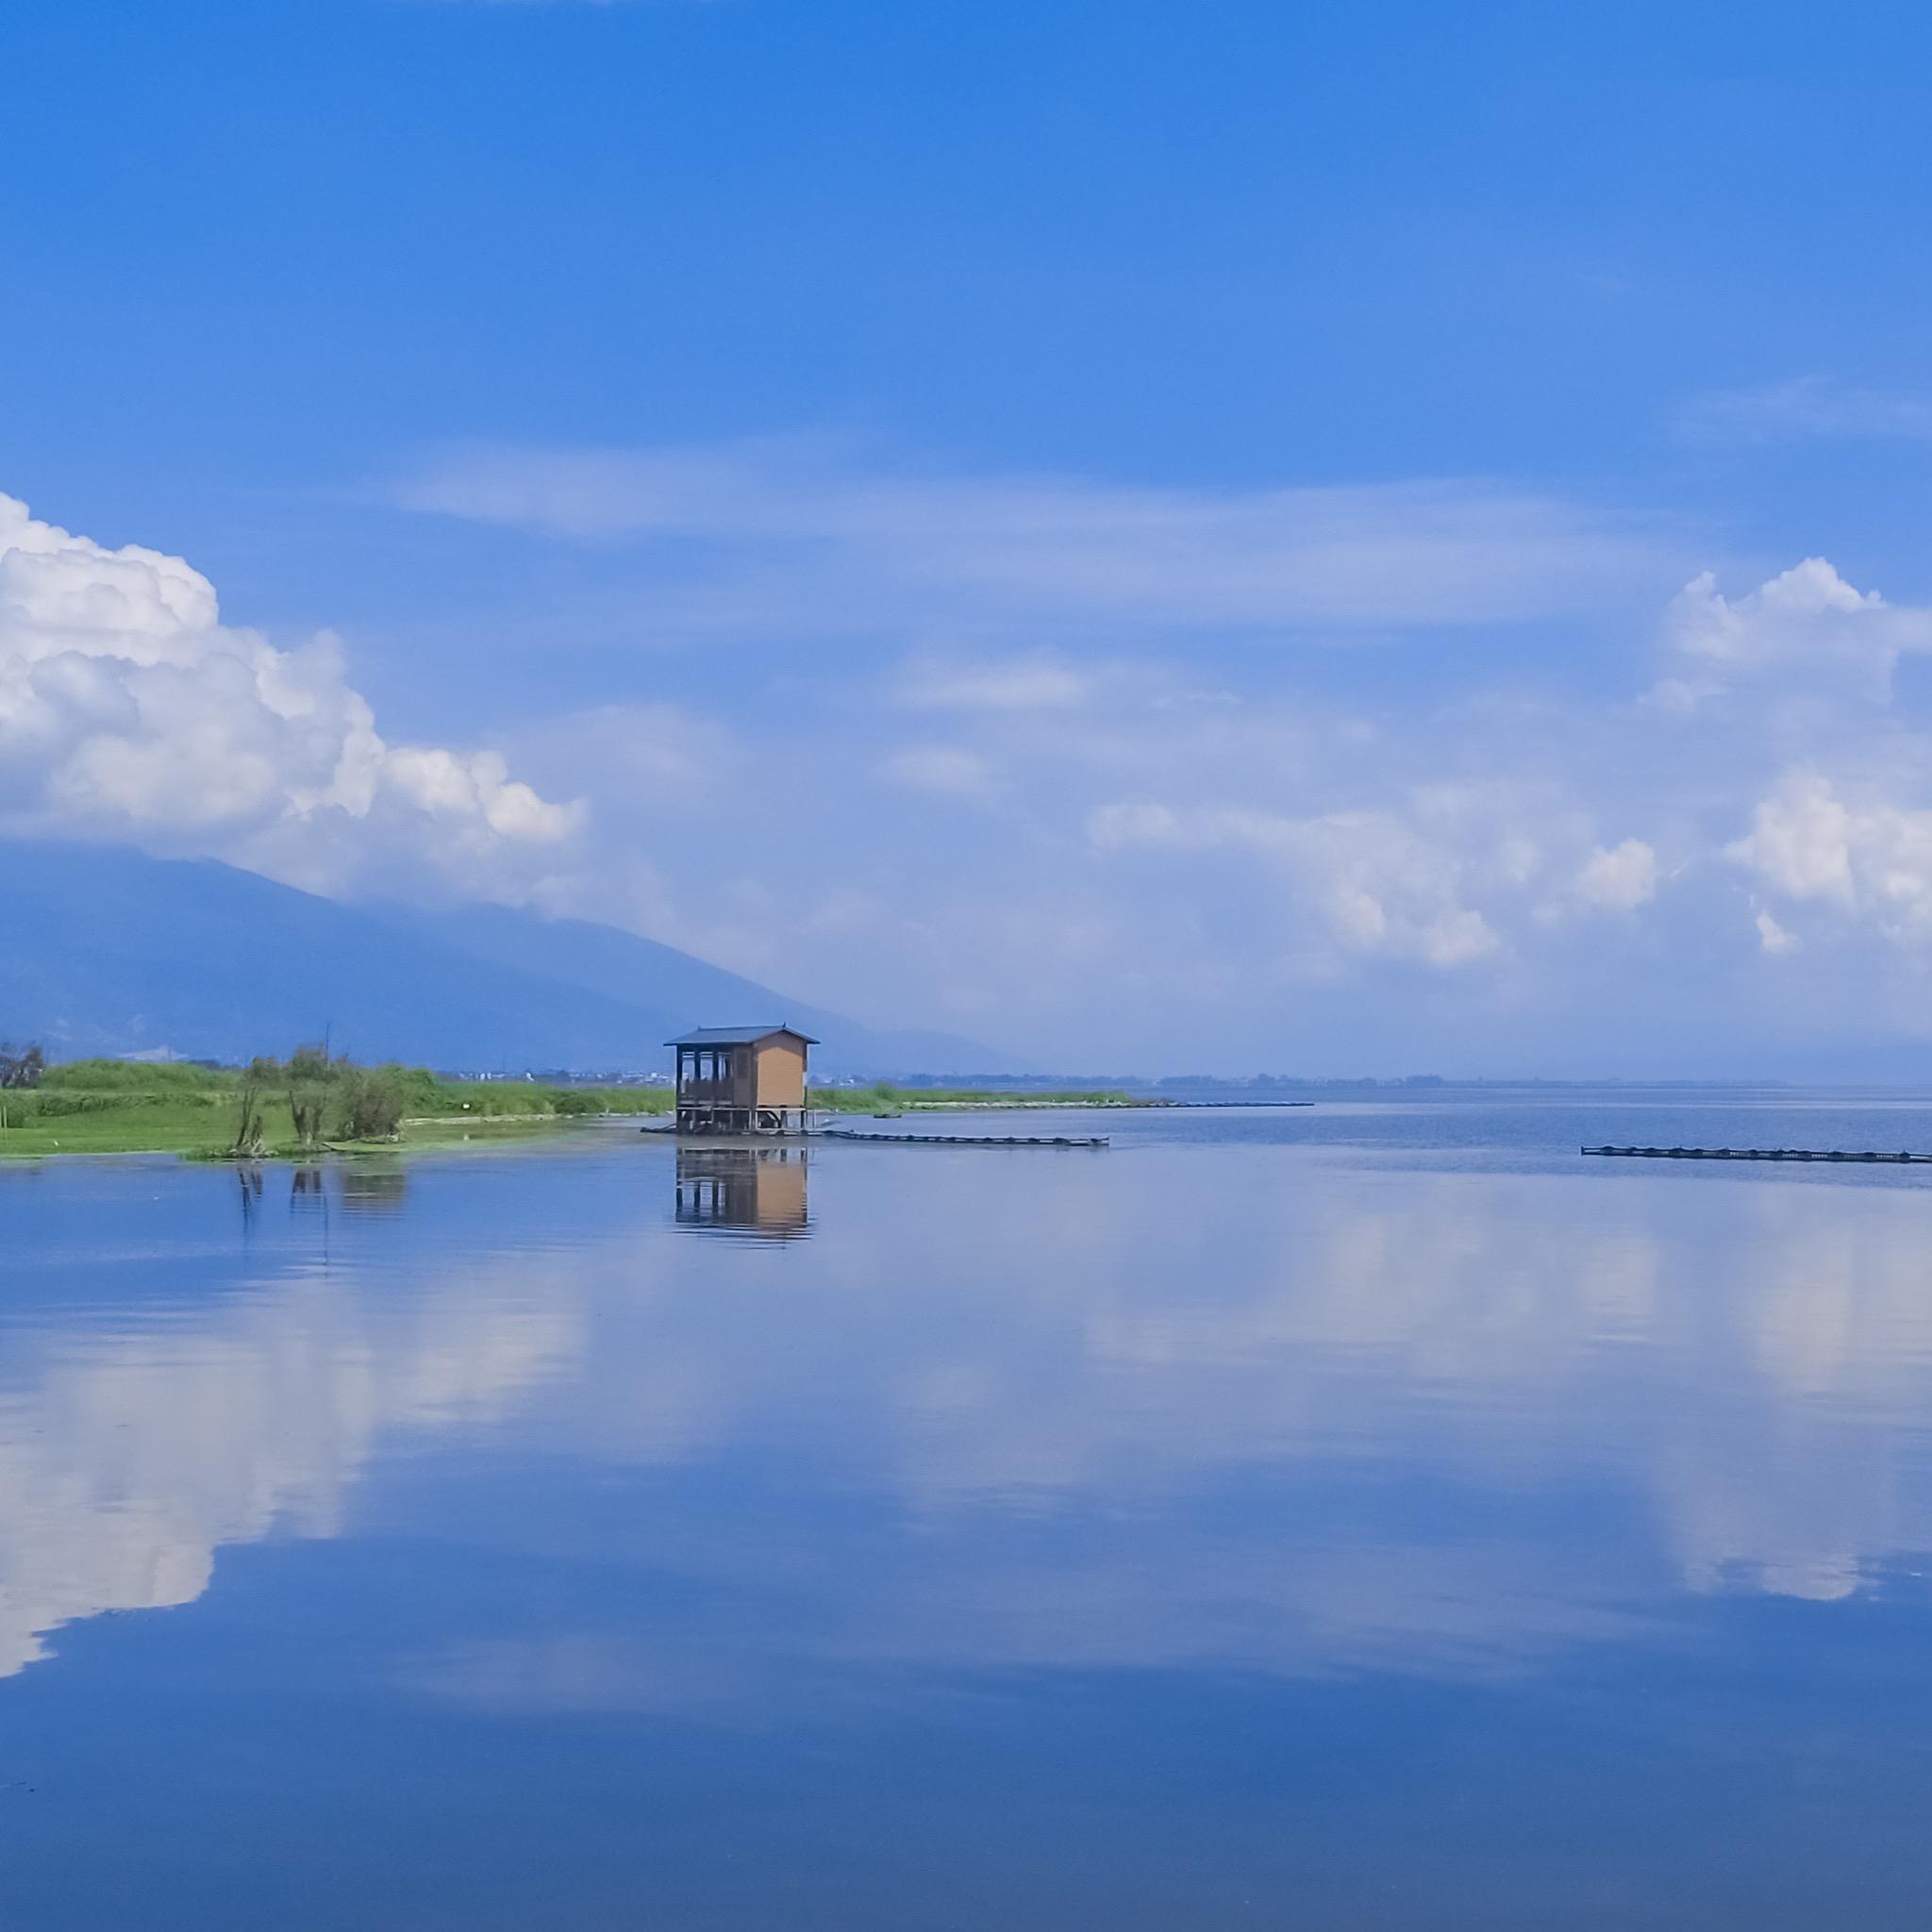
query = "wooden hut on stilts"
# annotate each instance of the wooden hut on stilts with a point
(741, 1080)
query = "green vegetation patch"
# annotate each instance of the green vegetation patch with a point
(313, 1102)
(307, 1104)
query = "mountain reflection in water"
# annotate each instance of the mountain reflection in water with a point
(1160, 1537)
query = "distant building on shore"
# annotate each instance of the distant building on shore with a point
(742, 1080)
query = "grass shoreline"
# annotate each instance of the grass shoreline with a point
(124, 1108)
(120, 1106)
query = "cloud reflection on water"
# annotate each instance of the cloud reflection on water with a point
(1164, 1409)
(131, 1450)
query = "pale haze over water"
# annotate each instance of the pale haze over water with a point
(1365, 1516)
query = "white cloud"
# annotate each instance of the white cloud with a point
(1801, 841)
(1012, 685)
(126, 1467)
(1873, 858)
(1119, 827)
(1619, 879)
(130, 710)
(1251, 832)
(1806, 407)
(745, 532)
(942, 769)
(132, 1455)
(1298, 844)
(1179, 828)
(674, 757)
(1380, 883)
(1806, 628)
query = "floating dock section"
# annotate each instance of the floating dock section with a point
(966, 1140)
(1757, 1153)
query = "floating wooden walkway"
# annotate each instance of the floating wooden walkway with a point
(966, 1140)
(1757, 1153)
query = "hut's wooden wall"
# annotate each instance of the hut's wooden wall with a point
(780, 1073)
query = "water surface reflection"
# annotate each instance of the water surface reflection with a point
(1379, 1500)
(758, 1191)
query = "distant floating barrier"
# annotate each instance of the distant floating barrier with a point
(1201, 1104)
(1759, 1154)
(968, 1139)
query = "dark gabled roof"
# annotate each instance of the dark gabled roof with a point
(735, 1036)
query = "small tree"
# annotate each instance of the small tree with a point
(21, 1066)
(372, 1102)
(260, 1078)
(308, 1078)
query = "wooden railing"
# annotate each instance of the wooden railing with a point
(711, 1093)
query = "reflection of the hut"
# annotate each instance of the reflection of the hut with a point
(754, 1190)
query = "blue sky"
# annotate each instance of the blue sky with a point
(1158, 534)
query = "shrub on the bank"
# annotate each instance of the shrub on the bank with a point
(372, 1102)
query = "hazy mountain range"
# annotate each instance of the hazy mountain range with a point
(104, 950)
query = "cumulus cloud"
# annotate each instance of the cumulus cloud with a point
(1801, 841)
(1380, 882)
(1383, 870)
(1803, 623)
(1873, 858)
(1181, 826)
(128, 709)
(1619, 879)
(1472, 839)
(1361, 828)
(1074, 646)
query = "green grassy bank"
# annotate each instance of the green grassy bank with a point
(122, 1106)
(118, 1106)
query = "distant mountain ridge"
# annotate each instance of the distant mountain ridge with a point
(105, 950)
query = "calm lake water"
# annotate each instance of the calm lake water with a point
(1367, 1516)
